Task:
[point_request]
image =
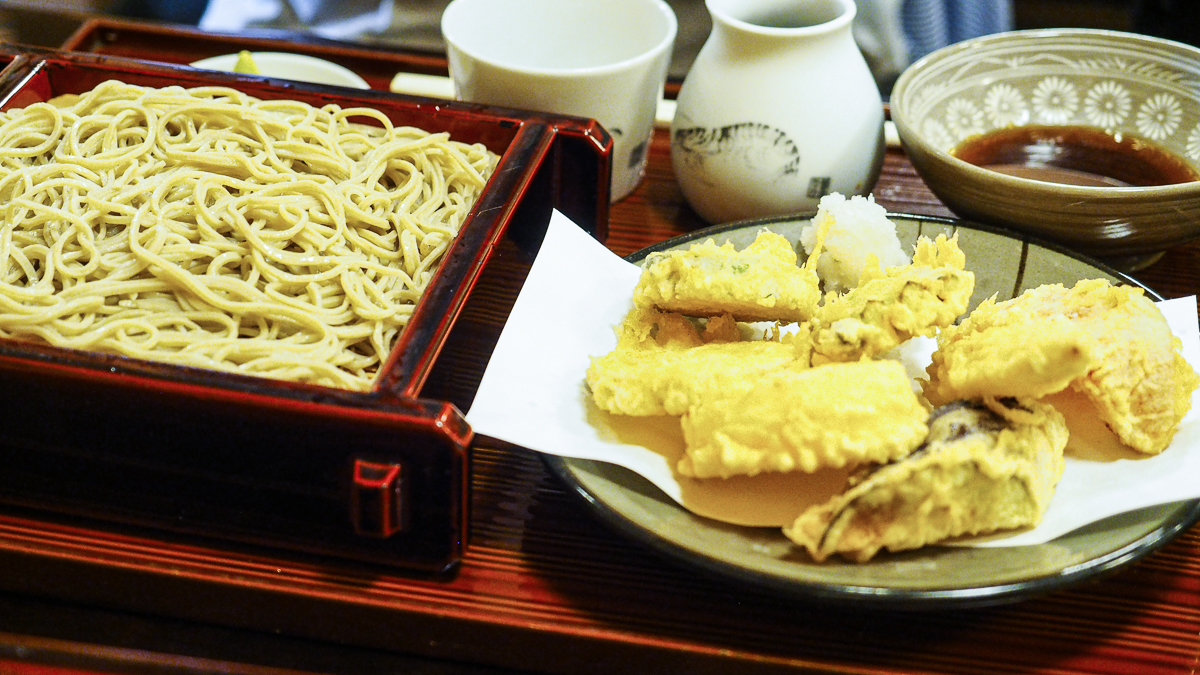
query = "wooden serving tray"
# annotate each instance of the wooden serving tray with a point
(177, 44)
(378, 475)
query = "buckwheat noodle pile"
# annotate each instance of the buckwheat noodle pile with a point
(208, 228)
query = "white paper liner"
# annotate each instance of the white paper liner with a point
(533, 395)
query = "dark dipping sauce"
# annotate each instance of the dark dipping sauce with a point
(1075, 155)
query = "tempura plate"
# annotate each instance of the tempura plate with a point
(934, 577)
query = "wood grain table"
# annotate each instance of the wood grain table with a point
(545, 587)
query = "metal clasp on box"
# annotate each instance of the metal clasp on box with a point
(378, 502)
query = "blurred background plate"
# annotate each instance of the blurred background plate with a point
(933, 577)
(298, 67)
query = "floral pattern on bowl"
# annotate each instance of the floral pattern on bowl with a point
(1122, 92)
(1126, 84)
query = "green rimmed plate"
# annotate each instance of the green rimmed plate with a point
(934, 577)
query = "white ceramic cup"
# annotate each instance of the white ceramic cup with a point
(601, 59)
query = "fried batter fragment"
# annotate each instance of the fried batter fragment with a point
(1111, 343)
(762, 282)
(890, 306)
(663, 364)
(804, 420)
(984, 468)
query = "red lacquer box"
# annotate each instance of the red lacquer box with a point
(377, 476)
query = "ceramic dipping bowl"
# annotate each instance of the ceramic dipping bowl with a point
(1082, 129)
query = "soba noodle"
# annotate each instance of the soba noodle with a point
(208, 228)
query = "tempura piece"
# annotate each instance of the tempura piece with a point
(891, 306)
(762, 282)
(846, 236)
(668, 382)
(663, 364)
(984, 468)
(1017, 360)
(646, 327)
(804, 420)
(1110, 343)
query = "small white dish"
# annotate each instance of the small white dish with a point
(298, 67)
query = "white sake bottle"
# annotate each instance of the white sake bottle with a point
(779, 109)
